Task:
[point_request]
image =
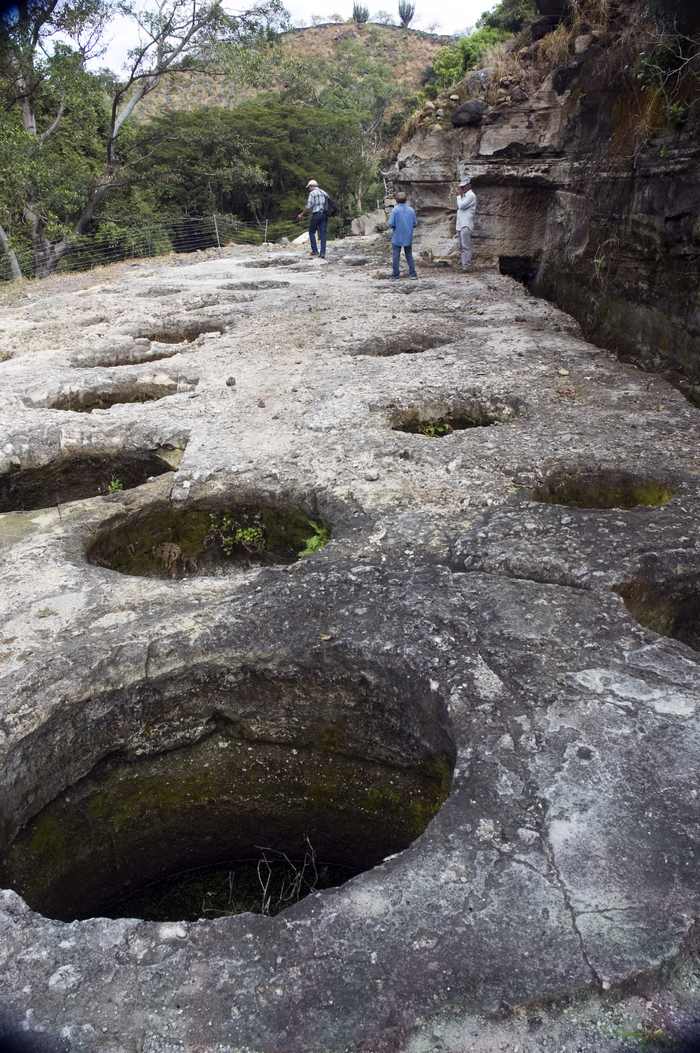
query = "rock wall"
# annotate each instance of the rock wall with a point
(606, 229)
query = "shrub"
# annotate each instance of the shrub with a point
(452, 62)
(509, 15)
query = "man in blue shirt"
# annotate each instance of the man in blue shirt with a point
(402, 222)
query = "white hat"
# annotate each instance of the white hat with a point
(465, 181)
(311, 182)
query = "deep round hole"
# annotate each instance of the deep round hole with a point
(409, 342)
(326, 772)
(670, 608)
(602, 488)
(77, 477)
(88, 399)
(435, 423)
(183, 332)
(167, 542)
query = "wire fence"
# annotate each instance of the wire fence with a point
(148, 239)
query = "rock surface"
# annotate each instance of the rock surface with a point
(459, 625)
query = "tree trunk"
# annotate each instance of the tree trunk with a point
(15, 270)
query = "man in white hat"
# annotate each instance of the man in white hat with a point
(317, 209)
(466, 214)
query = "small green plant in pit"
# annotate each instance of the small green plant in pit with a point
(321, 536)
(434, 429)
(246, 533)
(649, 1037)
(115, 485)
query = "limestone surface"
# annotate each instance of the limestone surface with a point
(481, 694)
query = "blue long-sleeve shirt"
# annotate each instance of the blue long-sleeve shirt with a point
(402, 221)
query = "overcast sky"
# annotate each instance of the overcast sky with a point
(451, 16)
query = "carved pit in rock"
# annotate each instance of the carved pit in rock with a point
(182, 332)
(87, 399)
(256, 286)
(435, 422)
(161, 290)
(407, 342)
(80, 476)
(670, 608)
(207, 540)
(602, 488)
(277, 261)
(352, 767)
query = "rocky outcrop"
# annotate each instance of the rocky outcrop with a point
(480, 698)
(605, 227)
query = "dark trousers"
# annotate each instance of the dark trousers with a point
(318, 222)
(396, 259)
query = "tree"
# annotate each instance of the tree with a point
(407, 10)
(48, 97)
(252, 161)
(384, 18)
(509, 15)
(360, 13)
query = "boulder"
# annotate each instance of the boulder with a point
(470, 113)
(369, 223)
(583, 42)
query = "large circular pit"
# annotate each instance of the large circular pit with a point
(330, 772)
(167, 542)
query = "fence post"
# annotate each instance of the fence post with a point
(265, 240)
(216, 228)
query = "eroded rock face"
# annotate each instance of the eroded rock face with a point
(478, 694)
(598, 224)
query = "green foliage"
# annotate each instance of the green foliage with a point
(360, 13)
(202, 161)
(319, 537)
(453, 61)
(407, 10)
(115, 485)
(509, 15)
(65, 133)
(669, 76)
(434, 429)
(244, 532)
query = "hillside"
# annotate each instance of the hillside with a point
(406, 52)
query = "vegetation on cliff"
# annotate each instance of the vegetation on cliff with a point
(651, 51)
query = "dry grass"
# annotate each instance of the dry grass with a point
(554, 49)
(507, 68)
(590, 13)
